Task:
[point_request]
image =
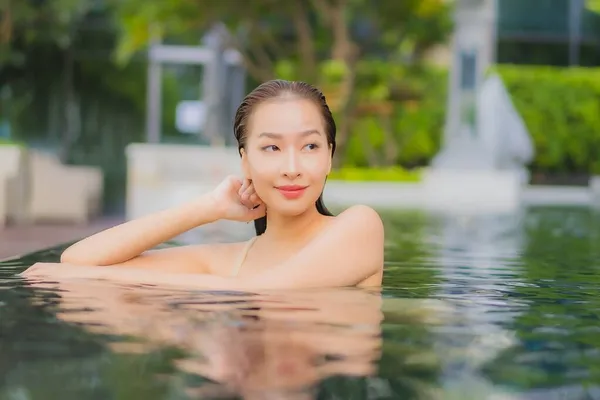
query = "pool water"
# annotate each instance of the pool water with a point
(473, 307)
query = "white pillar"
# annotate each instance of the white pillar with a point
(475, 39)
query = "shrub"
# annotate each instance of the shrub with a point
(392, 174)
(561, 108)
(9, 142)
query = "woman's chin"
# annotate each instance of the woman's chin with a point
(290, 209)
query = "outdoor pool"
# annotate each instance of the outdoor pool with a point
(473, 307)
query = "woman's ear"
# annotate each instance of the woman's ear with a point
(245, 166)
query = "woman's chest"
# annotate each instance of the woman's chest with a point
(257, 262)
(241, 262)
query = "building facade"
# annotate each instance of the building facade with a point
(547, 32)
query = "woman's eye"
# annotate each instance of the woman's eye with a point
(311, 146)
(271, 147)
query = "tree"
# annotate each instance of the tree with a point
(26, 22)
(323, 39)
(593, 5)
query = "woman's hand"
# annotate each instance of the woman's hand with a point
(237, 200)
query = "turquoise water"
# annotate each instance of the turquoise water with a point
(486, 307)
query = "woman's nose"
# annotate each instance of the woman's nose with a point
(291, 165)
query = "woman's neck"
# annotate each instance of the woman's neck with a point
(290, 229)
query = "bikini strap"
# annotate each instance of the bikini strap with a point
(242, 258)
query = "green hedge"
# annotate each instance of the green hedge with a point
(561, 108)
(392, 174)
(9, 142)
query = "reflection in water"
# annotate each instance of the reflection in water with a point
(259, 345)
(249, 345)
(558, 350)
(478, 257)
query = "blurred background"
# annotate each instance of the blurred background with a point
(101, 100)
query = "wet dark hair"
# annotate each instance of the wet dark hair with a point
(271, 90)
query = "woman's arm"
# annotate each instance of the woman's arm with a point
(232, 199)
(124, 242)
(347, 253)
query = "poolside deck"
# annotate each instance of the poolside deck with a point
(18, 240)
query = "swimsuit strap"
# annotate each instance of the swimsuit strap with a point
(243, 255)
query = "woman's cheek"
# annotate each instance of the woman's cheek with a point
(262, 189)
(262, 169)
(318, 166)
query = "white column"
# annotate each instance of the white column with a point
(475, 34)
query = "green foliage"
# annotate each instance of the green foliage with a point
(593, 5)
(53, 22)
(79, 77)
(418, 96)
(410, 27)
(8, 142)
(269, 31)
(391, 174)
(561, 108)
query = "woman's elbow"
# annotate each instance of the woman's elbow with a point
(74, 257)
(70, 257)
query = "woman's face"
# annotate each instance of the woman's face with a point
(287, 155)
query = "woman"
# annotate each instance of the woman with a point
(286, 138)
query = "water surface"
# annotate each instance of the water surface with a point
(473, 307)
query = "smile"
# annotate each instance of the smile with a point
(291, 191)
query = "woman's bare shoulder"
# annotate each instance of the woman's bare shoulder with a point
(360, 210)
(366, 216)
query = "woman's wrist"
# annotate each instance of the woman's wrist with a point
(207, 209)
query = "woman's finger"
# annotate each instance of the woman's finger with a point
(247, 195)
(255, 200)
(249, 190)
(245, 184)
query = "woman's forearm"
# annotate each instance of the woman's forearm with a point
(58, 272)
(128, 240)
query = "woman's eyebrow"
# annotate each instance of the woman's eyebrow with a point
(279, 135)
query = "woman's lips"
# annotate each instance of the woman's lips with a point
(291, 191)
